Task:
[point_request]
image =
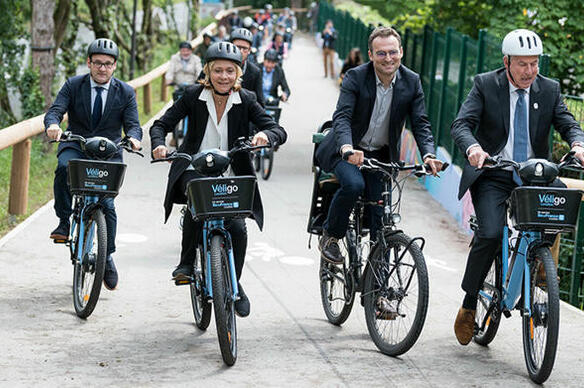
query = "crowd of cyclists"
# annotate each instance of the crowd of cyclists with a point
(225, 82)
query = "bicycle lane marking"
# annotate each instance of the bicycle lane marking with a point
(265, 252)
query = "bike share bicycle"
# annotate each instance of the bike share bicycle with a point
(389, 266)
(263, 159)
(216, 199)
(91, 180)
(180, 131)
(523, 274)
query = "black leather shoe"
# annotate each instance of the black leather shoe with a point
(182, 272)
(242, 305)
(62, 231)
(110, 277)
(329, 249)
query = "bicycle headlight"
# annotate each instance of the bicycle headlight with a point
(395, 218)
(539, 169)
(210, 160)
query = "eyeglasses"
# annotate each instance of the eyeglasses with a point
(107, 65)
(383, 54)
(243, 48)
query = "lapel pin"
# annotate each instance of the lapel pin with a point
(535, 106)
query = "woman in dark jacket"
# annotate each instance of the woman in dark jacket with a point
(219, 112)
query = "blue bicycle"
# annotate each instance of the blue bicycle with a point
(523, 273)
(90, 181)
(215, 199)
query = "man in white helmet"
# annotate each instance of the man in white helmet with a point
(507, 113)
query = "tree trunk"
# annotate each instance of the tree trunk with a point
(295, 3)
(100, 21)
(43, 44)
(61, 19)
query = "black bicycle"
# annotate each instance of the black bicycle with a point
(264, 158)
(91, 180)
(388, 269)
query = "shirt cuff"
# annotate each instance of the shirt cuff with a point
(343, 146)
(470, 146)
(577, 143)
(429, 155)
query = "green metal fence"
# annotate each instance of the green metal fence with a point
(447, 64)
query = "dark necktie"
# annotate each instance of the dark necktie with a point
(520, 132)
(97, 107)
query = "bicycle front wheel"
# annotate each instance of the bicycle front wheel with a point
(488, 313)
(541, 327)
(201, 307)
(267, 163)
(337, 285)
(395, 294)
(88, 272)
(223, 302)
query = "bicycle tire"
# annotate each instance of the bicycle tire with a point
(201, 307)
(267, 163)
(486, 303)
(87, 277)
(543, 324)
(397, 245)
(223, 303)
(337, 313)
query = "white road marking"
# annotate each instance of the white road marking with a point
(131, 238)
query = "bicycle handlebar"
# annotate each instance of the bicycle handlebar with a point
(68, 137)
(391, 167)
(497, 162)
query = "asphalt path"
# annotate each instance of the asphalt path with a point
(142, 334)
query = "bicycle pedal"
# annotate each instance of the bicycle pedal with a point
(61, 241)
(182, 282)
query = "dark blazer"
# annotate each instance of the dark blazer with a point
(120, 111)
(484, 119)
(279, 78)
(354, 108)
(240, 115)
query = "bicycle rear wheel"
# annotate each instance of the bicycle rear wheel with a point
(88, 273)
(397, 273)
(201, 307)
(267, 163)
(488, 313)
(223, 302)
(337, 285)
(541, 328)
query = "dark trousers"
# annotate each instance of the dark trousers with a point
(489, 195)
(193, 230)
(63, 198)
(353, 183)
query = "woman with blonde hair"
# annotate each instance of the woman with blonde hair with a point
(219, 112)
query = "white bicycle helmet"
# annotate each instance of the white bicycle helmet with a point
(522, 42)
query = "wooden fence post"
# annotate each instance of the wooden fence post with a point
(147, 99)
(19, 178)
(163, 89)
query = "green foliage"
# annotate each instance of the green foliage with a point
(363, 13)
(31, 96)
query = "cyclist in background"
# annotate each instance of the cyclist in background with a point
(112, 104)
(273, 77)
(184, 66)
(201, 49)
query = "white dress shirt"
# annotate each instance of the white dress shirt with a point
(104, 92)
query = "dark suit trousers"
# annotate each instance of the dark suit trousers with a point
(353, 183)
(192, 231)
(489, 195)
(63, 198)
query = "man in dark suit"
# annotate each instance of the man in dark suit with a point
(98, 105)
(273, 77)
(252, 78)
(509, 113)
(375, 100)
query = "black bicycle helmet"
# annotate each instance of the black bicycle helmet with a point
(241, 33)
(271, 55)
(103, 46)
(223, 50)
(185, 44)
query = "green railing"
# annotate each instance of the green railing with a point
(447, 64)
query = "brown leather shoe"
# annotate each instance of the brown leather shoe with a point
(464, 325)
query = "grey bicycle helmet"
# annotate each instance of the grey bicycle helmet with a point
(223, 50)
(241, 33)
(271, 55)
(103, 46)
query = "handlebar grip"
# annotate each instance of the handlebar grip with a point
(347, 154)
(445, 165)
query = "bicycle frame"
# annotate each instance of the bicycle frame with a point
(211, 228)
(88, 201)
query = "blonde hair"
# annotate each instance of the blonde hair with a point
(206, 82)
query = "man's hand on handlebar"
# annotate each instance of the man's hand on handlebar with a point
(136, 144)
(284, 97)
(435, 165)
(353, 156)
(54, 132)
(476, 156)
(578, 154)
(159, 152)
(260, 139)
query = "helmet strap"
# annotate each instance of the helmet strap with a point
(219, 93)
(508, 69)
